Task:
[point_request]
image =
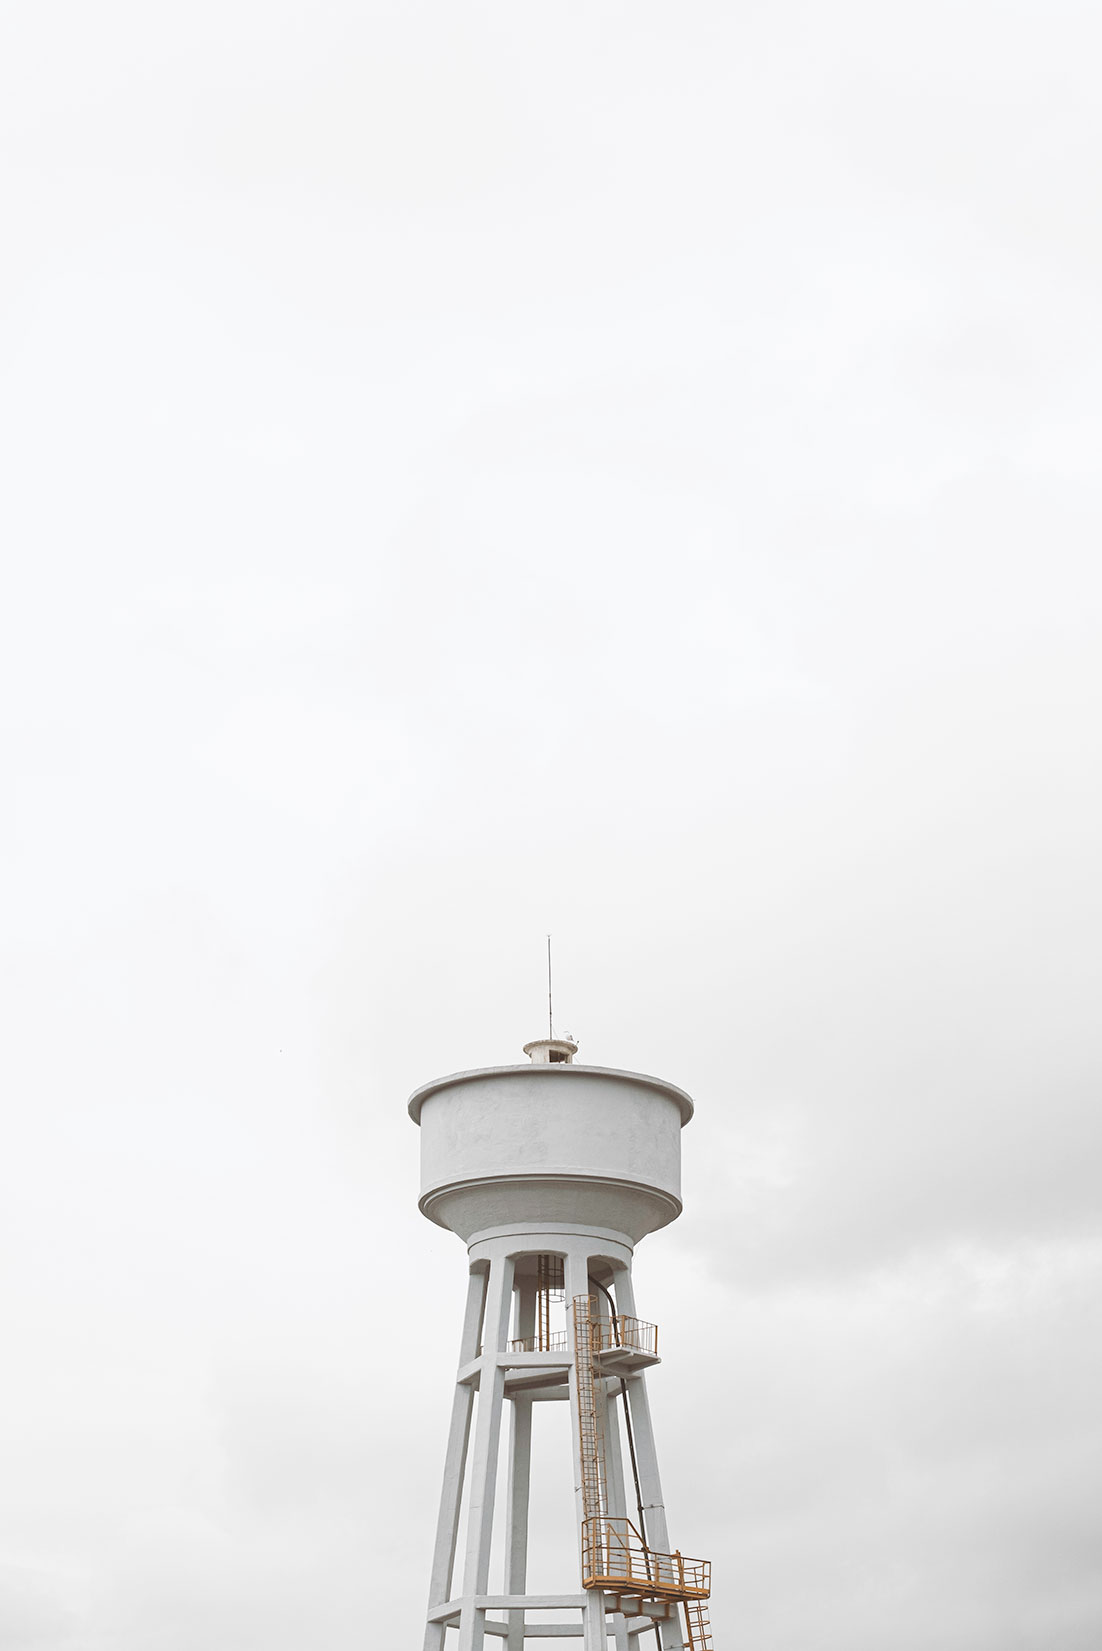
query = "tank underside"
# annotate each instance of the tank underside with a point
(536, 1201)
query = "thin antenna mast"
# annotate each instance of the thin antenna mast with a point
(550, 1017)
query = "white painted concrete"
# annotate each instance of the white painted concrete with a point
(553, 1158)
(447, 1527)
(545, 1143)
(548, 1051)
(483, 1467)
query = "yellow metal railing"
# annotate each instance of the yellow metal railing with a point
(614, 1555)
(625, 1331)
(621, 1331)
(550, 1342)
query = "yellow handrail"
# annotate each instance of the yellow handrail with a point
(555, 1342)
(614, 1555)
(625, 1331)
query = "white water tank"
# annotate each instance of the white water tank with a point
(548, 1143)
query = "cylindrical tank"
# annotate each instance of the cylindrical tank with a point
(550, 1143)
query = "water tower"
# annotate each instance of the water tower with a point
(551, 1172)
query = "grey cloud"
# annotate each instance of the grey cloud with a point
(470, 474)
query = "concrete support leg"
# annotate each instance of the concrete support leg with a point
(484, 1458)
(447, 1525)
(593, 1621)
(614, 1461)
(650, 1483)
(516, 1534)
(520, 1475)
(434, 1636)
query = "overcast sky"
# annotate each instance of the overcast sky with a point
(629, 470)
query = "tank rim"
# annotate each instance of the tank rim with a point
(563, 1073)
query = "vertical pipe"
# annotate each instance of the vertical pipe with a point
(650, 1484)
(635, 1396)
(637, 1406)
(617, 1498)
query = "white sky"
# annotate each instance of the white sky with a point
(627, 470)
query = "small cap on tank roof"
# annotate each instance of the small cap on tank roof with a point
(551, 1051)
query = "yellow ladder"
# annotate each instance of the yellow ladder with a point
(549, 1287)
(698, 1631)
(590, 1431)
